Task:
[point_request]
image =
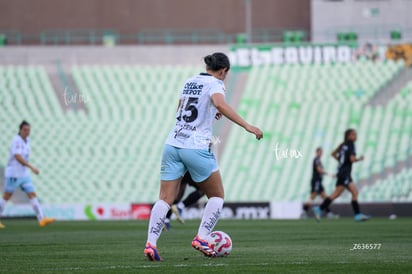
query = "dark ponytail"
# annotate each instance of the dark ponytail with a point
(217, 61)
(345, 138)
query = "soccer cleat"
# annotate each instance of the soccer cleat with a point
(151, 253)
(178, 212)
(361, 217)
(46, 221)
(2, 226)
(317, 212)
(203, 246)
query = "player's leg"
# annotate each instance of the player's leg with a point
(27, 186)
(335, 194)
(167, 224)
(213, 188)
(308, 204)
(355, 205)
(172, 170)
(3, 201)
(203, 168)
(174, 209)
(326, 203)
(182, 189)
(9, 187)
(168, 192)
(324, 196)
(192, 198)
(329, 213)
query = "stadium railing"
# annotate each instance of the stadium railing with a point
(153, 36)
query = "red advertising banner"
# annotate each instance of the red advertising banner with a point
(141, 211)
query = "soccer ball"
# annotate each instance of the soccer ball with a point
(220, 242)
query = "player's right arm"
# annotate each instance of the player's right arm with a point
(219, 101)
(21, 160)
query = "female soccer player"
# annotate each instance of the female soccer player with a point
(187, 149)
(316, 184)
(17, 173)
(345, 154)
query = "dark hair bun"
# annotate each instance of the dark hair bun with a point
(210, 61)
(217, 61)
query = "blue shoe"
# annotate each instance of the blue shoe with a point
(178, 212)
(317, 212)
(167, 226)
(151, 253)
(361, 217)
(203, 246)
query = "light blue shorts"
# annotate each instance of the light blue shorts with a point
(24, 183)
(176, 161)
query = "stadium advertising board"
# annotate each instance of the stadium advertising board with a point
(107, 212)
(73, 211)
(285, 210)
(141, 211)
(282, 54)
(400, 52)
(60, 212)
(233, 211)
(254, 211)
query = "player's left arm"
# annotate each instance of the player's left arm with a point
(21, 160)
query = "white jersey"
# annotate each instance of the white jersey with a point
(194, 118)
(14, 168)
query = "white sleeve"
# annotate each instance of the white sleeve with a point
(217, 87)
(16, 147)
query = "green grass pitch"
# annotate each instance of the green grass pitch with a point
(267, 246)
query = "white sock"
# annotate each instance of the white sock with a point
(37, 208)
(210, 216)
(157, 219)
(181, 205)
(2, 205)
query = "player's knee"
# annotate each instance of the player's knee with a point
(31, 195)
(7, 196)
(355, 195)
(219, 193)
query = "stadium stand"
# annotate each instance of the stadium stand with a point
(394, 188)
(111, 152)
(282, 98)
